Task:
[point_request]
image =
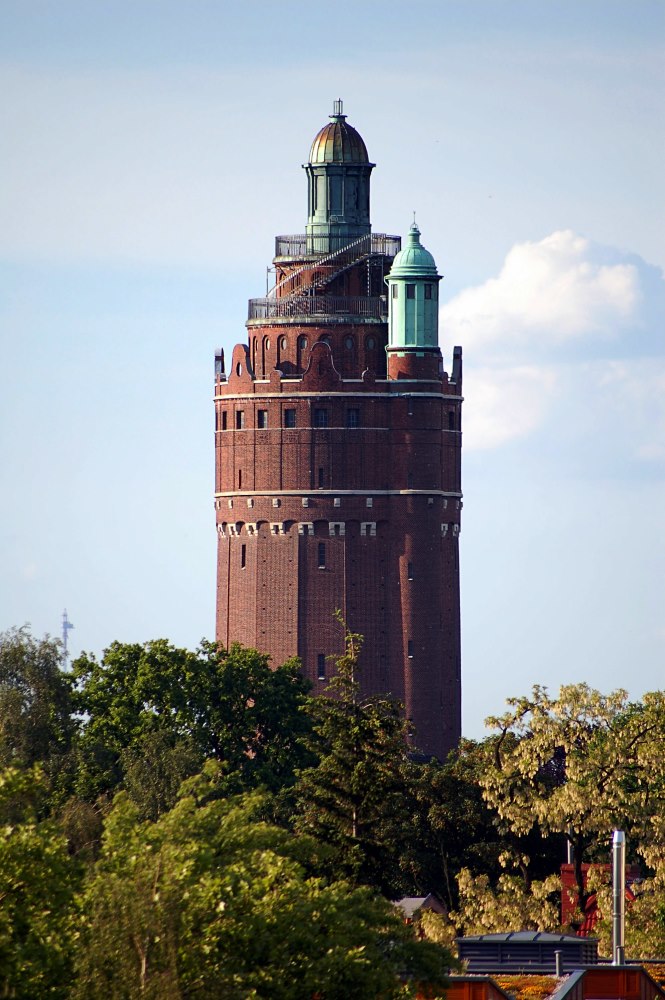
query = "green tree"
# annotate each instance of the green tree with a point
(36, 712)
(37, 884)
(507, 905)
(453, 827)
(357, 799)
(210, 901)
(153, 713)
(577, 766)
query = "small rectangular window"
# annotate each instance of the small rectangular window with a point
(395, 292)
(410, 571)
(353, 417)
(243, 556)
(410, 649)
(289, 418)
(261, 418)
(322, 555)
(239, 479)
(320, 417)
(321, 666)
(240, 419)
(428, 291)
(224, 420)
(410, 291)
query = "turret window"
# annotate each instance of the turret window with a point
(262, 418)
(240, 419)
(410, 291)
(428, 291)
(395, 291)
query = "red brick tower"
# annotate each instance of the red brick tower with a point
(338, 472)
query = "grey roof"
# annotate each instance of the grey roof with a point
(410, 904)
(527, 937)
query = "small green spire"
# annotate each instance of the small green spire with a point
(413, 296)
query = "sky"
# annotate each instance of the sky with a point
(151, 152)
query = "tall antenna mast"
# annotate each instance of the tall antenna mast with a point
(66, 626)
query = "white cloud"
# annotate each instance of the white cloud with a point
(502, 406)
(546, 292)
(633, 393)
(572, 330)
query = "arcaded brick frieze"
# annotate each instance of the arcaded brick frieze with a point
(344, 494)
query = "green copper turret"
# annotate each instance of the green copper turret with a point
(413, 297)
(338, 175)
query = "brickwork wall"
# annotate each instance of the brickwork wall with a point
(382, 498)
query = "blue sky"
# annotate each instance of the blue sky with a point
(152, 152)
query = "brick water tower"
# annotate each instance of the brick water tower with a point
(338, 447)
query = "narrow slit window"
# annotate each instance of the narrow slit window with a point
(410, 571)
(410, 648)
(243, 556)
(395, 291)
(322, 555)
(428, 291)
(240, 419)
(321, 479)
(321, 666)
(239, 479)
(224, 420)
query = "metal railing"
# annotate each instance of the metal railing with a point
(370, 307)
(303, 245)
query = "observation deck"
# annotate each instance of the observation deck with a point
(304, 247)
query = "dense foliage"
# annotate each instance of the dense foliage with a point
(177, 823)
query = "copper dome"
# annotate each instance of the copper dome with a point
(338, 143)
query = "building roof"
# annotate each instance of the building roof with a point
(338, 142)
(411, 904)
(414, 261)
(525, 937)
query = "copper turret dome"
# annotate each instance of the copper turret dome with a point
(338, 142)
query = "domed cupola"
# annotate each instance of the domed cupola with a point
(413, 297)
(338, 142)
(338, 175)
